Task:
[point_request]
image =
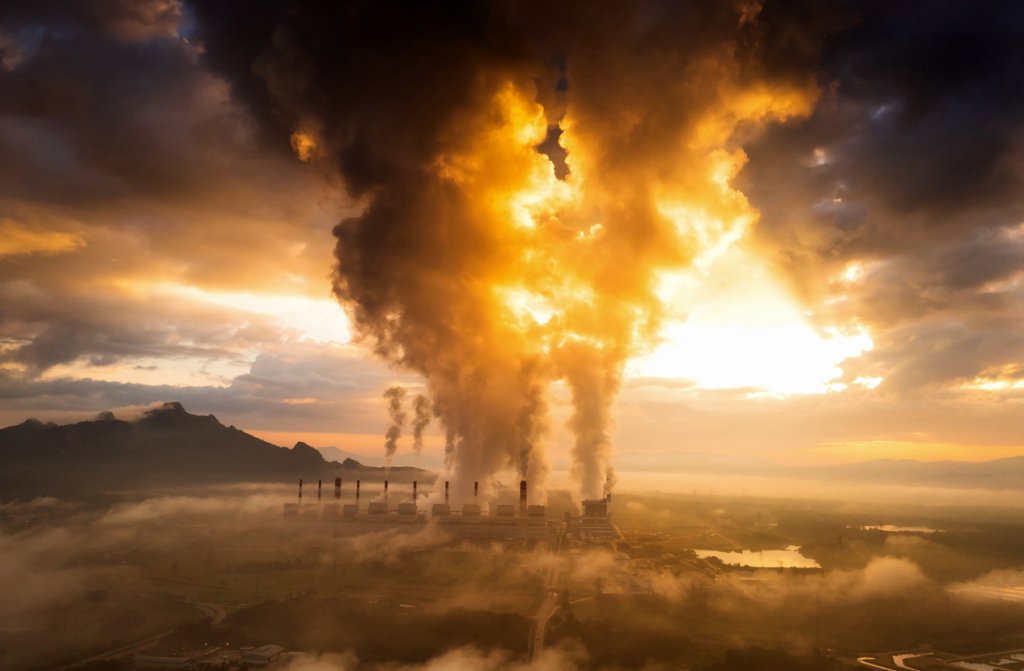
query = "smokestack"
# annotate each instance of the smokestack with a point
(357, 492)
(319, 489)
(522, 498)
(476, 489)
(446, 491)
(337, 488)
(414, 491)
(300, 489)
(385, 492)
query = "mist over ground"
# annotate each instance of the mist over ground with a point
(222, 564)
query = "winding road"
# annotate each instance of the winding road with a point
(214, 611)
(549, 602)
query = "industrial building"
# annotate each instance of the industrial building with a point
(263, 656)
(595, 524)
(155, 663)
(504, 520)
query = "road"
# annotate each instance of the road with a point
(124, 651)
(214, 611)
(548, 607)
(549, 602)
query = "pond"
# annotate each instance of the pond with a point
(893, 529)
(789, 557)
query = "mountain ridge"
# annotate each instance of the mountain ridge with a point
(166, 445)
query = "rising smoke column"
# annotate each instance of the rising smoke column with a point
(421, 418)
(472, 262)
(396, 413)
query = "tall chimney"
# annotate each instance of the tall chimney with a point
(337, 488)
(522, 498)
(446, 491)
(319, 488)
(414, 491)
(300, 490)
(385, 492)
(476, 489)
(357, 492)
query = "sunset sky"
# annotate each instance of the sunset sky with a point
(806, 220)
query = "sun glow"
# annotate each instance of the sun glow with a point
(1002, 378)
(315, 319)
(745, 331)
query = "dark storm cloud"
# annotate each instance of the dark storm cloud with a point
(306, 388)
(42, 332)
(89, 114)
(912, 164)
(120, 19)
(129, 169)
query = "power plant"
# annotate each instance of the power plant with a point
(503, 519)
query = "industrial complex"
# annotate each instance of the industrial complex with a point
(472, 519)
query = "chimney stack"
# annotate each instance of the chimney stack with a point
(522, 498)
(357, 492)
(300, 490)
(385, 492)
(476, 489)
(337, 488)
(446, 491)
(414, 491)
(319, 488)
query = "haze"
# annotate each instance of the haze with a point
(715, 250)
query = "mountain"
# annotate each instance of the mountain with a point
(402, 460)
(166, 446)
(332, 453)
(1006, 473)
(996, 474)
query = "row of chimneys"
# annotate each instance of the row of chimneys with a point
(476, 491)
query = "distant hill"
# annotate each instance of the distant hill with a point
(995, 474)
(166, 446)
(1007, 473)
(332, 453)
(401, 460)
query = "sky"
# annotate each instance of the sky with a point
(594, 238)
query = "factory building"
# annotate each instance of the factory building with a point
(502, 520)
(155, 663)
(596, 508)
(263, 656)
(595, 524)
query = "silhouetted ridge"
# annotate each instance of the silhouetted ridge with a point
(166, 446)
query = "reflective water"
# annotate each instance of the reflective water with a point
(790, 557)
(893, 529)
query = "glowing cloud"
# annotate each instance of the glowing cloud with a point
(474, 263)
(17, 239)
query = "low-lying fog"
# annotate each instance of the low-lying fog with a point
(222, 567)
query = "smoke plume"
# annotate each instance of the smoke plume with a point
(534, 177)
(422, 415)
(396, 413)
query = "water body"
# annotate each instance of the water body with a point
(787, 558)
(893, 529)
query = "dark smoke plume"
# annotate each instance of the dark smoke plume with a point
(531, 173)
